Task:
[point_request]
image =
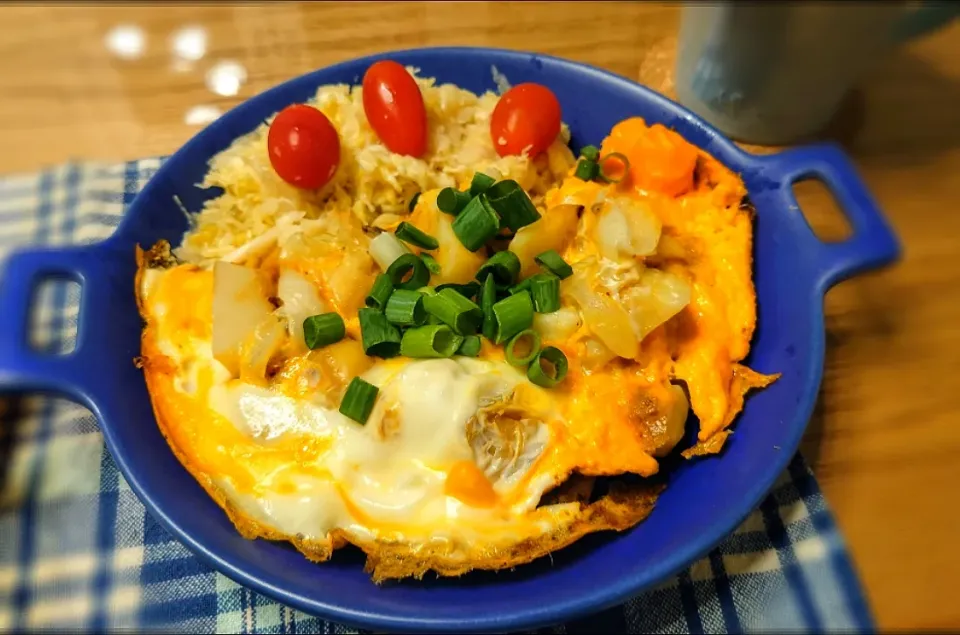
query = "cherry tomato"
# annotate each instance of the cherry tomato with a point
(394, 107)
(527, 117)
(304, 147)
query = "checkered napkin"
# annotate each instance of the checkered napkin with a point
(78, 551)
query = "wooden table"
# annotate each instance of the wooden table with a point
(105, 83)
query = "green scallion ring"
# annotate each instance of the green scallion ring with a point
(523, 285)
(512, 315)
(408, 264)
(358, 400)
(504, 265)
(436, 340)
(379, 292)
(555, 264)
(545, 292)
(548, 368)
(452, 201)
(488, 297)
(515, 208)
(412, 205)
(481, 183)
(409, 233)
(432, 265)
(506, 292)
(586, 170)
(527, 337)
(605, 174)
(476, 224)
(469, 290)
(323, 330)
(470, 346)
(378, 337)
(454, 310)
(590, 153)
(425, 291)
(405, 308)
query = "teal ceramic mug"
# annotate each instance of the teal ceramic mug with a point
(774, 73)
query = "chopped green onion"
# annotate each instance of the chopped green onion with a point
(586, 170)
(477, 223)
(512, 315)
(411, 234)
(606, 173)
(523, 285)
(468, 308)
(506, 292)
(527, 339)
(515, 208)
(358, 400)
(548, 368)
(425, 291)
(545, 291)
(481, 183)
(454, 310)
(590, 153)
(405, 308)
(555, 264)
(408, 263)
(378, 336)
(470, 346)
(432, 265)
(488, 297)
(436, 340)
(413, 202)
(323, 330)
(504, 265)
(380, 292)
(385, 248)
(452, 201)
(469, 290)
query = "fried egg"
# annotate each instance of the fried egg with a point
(463, 463)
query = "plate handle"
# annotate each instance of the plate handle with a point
(22, 368)
(873, 244)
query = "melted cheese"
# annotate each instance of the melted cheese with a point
(271, 447)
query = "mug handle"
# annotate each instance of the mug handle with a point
(23, 368)
(873, 243)
(925, 19)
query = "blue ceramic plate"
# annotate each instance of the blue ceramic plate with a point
(705, 499)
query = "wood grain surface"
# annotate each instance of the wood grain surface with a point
(103, 82)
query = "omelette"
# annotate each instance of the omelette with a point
(447, 398)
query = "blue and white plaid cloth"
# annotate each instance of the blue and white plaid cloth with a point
(78, 551)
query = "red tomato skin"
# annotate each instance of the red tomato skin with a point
(527, 116)
(303, 146)
(394, 107)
